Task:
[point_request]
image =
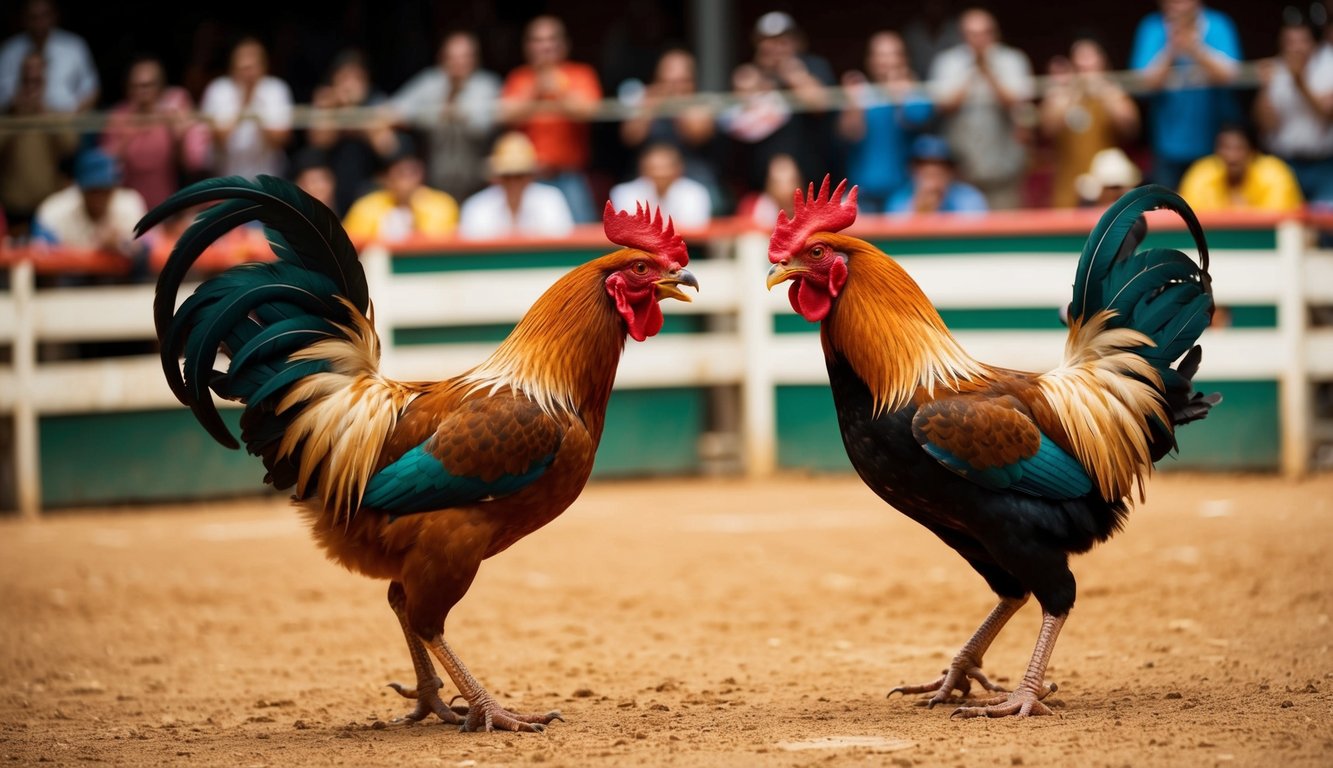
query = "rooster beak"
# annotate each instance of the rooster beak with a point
(666, 287)
(781, 272)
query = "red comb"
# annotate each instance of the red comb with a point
(825, 213)
(644, 231)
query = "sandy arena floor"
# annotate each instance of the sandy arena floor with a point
(691, 623)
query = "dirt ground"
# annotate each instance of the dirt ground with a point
(694, 622)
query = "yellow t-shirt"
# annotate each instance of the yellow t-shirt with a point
(1269, 185)
(373, 216)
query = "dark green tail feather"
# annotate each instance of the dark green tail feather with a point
(1160, 292)
(257, 314)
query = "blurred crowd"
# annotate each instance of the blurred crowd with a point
(943, 116)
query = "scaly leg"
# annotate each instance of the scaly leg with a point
(966, 666)
(1026, 698)
(484, 712)
(427, 691)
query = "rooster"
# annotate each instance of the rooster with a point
(413, 482)
(1015, 471)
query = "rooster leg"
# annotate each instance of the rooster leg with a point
(427, 691)
(484, 712)
(1026, 698)
(966, 666)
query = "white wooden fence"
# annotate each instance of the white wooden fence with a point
(738, 348)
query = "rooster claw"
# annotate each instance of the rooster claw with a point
(489, 716)
(428, 703)
(1023, 702)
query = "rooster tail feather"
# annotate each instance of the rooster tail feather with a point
(269, 319)
(1160, 294)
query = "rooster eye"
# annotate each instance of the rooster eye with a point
(640, 268)
(817, 251)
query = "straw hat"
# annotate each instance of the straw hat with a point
(513, 155)
(1110, 168)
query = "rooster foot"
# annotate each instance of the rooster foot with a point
(487, 715)
(429, 703)
(958, 677)
(1021, 703)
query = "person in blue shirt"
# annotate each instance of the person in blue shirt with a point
(1188, 56)
(885, 107)
(934, 187)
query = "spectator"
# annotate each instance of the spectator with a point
(1110, 175)
(761, 207)
(95, 213)
(1083, 112)
(348, 127)
(31, 161)
(314, 174)
(153, 133)
(1238, 176)
(662, 183)
(1186, 55)
(984, 88)
(1294, 109)
(551, 99)
(251, 114)
(515, 205)
(935, 187)
(72, 83)
(662, 114)
(758, 127)
(885, 107)
(404, 206)
(452, 104)
(933, 30)
(780, 53)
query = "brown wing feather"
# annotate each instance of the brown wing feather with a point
(488, 437)
(985, 431)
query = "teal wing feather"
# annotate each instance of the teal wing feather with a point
(995, 444)
(488, 448)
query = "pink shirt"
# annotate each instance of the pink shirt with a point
(148, 148)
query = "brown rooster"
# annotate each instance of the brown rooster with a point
(1013, 470)
(412, 482)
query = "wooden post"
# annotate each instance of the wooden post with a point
(758, 391)
(1294, 401)
(27, 461)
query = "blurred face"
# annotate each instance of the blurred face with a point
(1087, 57)
(1235, 151)
(544, 44)
(1296, 41)
(1180, 10)
(771, 52)
(144, 84)
(784, 178)
(403, 178)
(747, 80)
(932, 178)
(978, 30)
(458, 57)
(675, 73)
(318, 183)
(352, 82)
(96, 201)
(248, 63)
(886, 58)
(39, 19)
(662, 167)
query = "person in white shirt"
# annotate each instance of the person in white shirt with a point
(453, 105)
(982, 87)
(95, 213)
(662, 183)
(72, 83)
(1294, 107)
(251, 113)
(515, 204)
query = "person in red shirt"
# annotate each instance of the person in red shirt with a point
(551, 99)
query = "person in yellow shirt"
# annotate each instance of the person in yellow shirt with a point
(403, 206)
(1238, 176)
